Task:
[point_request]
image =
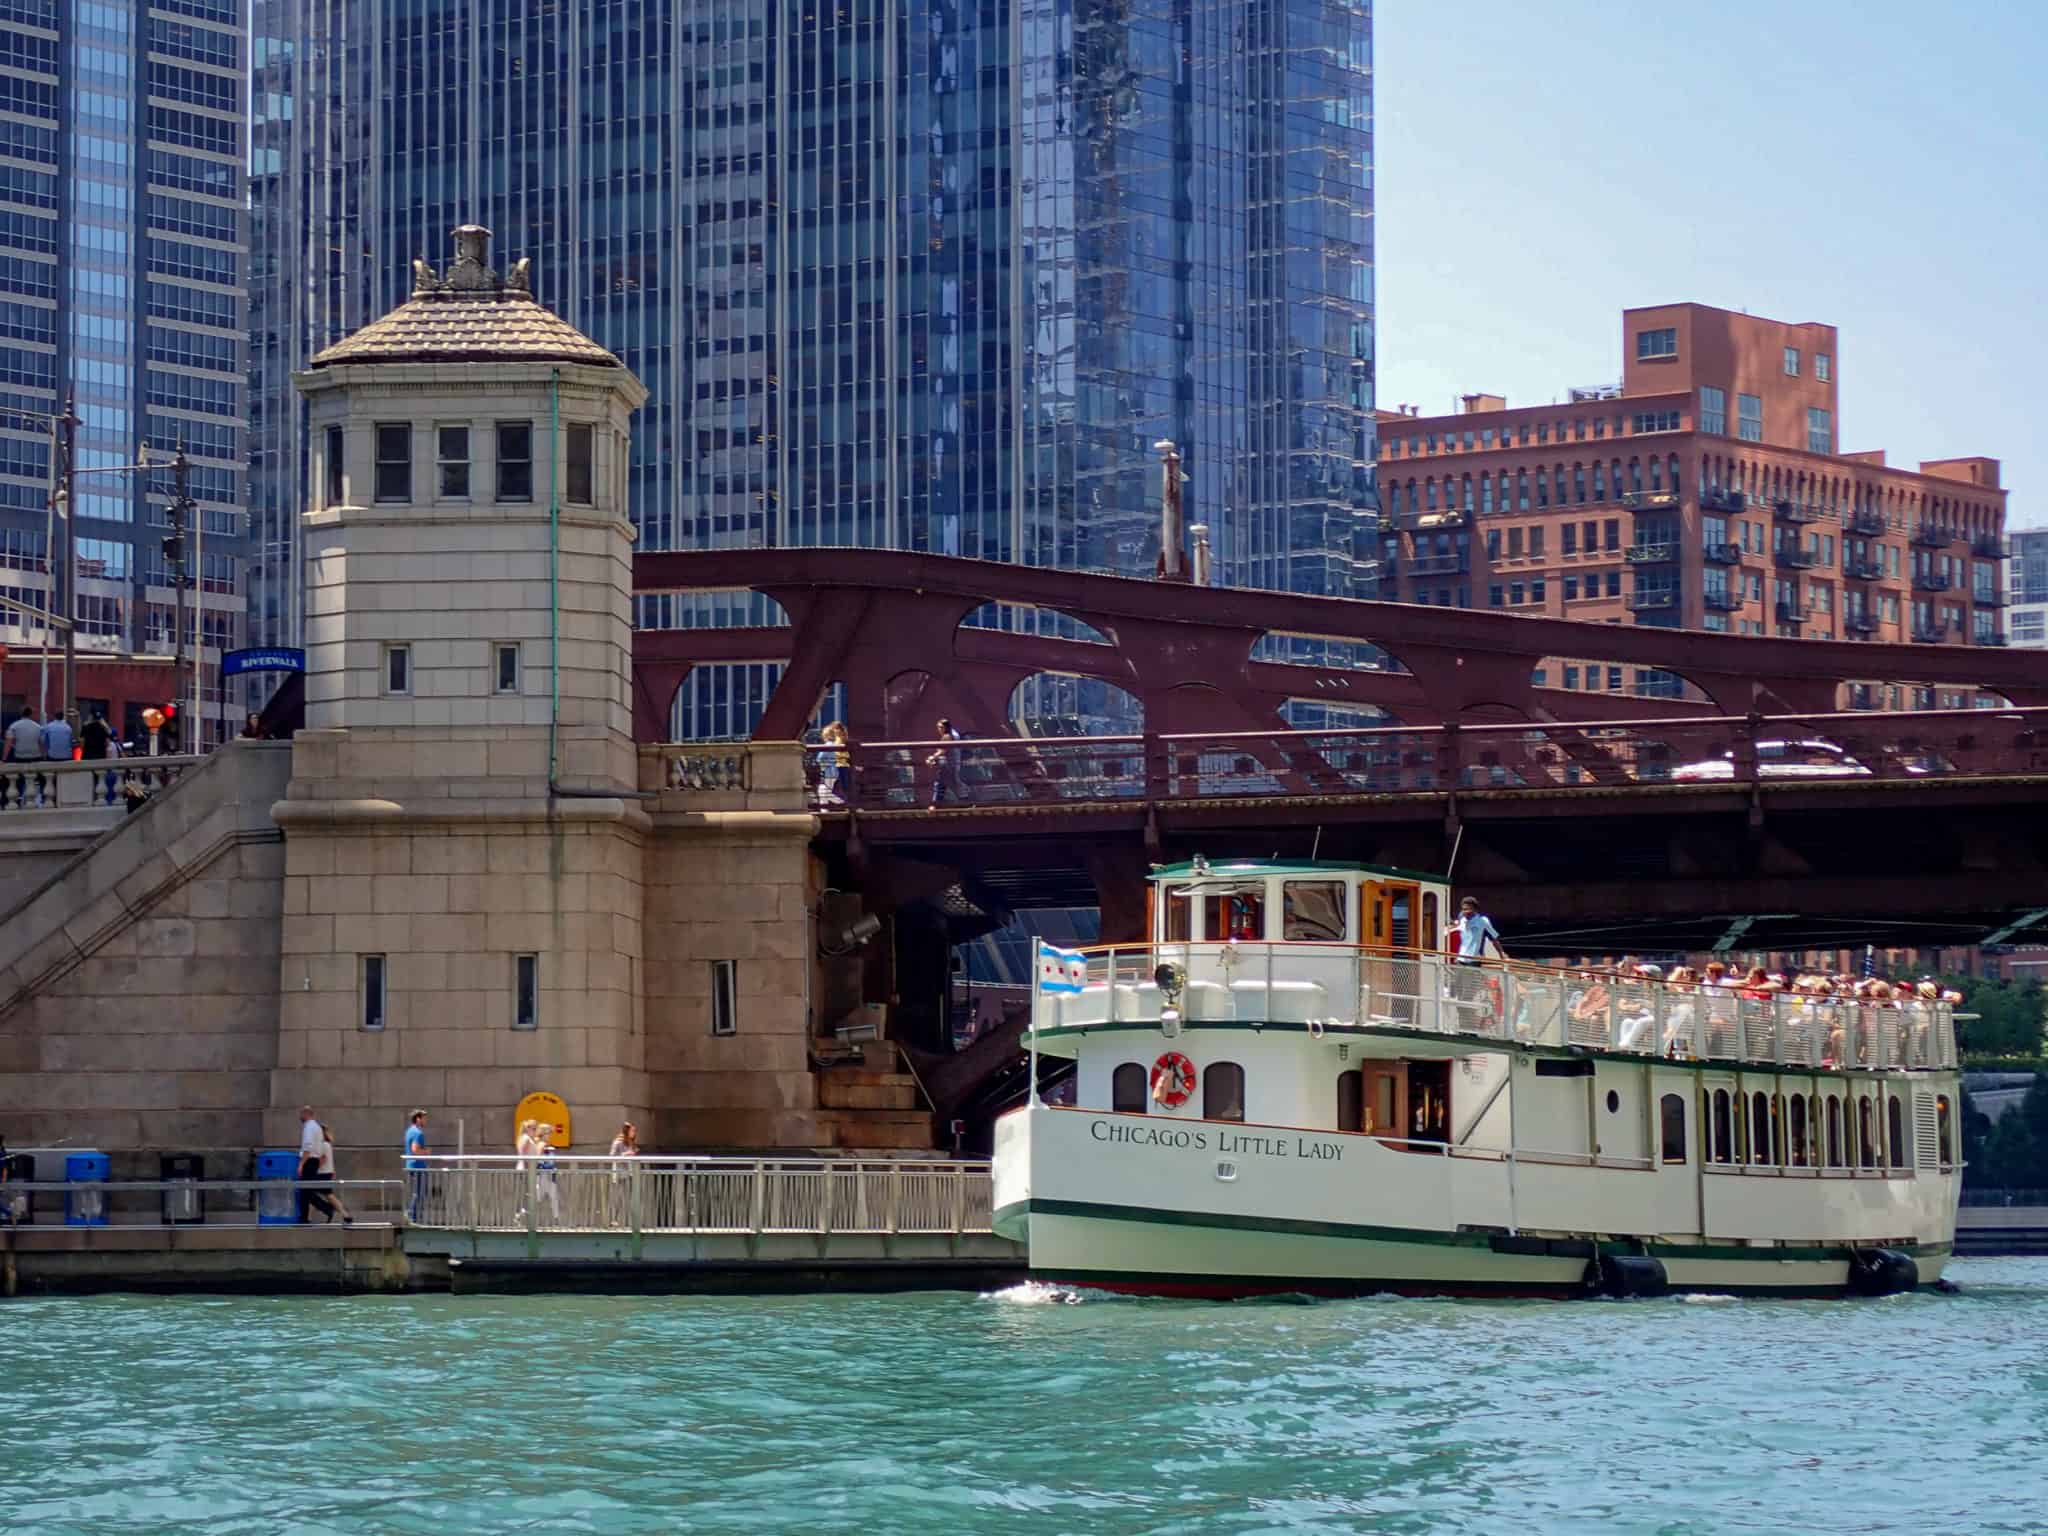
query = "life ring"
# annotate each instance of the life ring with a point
(1173, 1080)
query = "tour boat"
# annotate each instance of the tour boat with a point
(1289, 1087)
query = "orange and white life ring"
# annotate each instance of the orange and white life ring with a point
(1173, 1080)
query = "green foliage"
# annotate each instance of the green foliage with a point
(2011, 1153)
(2013, 1013)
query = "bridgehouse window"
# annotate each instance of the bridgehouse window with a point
(582, 480)
(394, 461)
(515, 461)
(1223, 1092)
(1127, 1084)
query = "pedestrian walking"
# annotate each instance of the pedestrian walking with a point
(309, 1160)
(93, 739)
(327, 1198)
(835, 766)
(544, 1184)
(25, 737)
(416, 1155)
(13, 1207)
(624, 1145)
(946, 781)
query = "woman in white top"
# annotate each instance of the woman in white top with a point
(544, 1171)
(331, 1198)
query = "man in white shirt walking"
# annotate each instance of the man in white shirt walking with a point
(309, 1157)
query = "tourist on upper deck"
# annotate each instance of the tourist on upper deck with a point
(1469, 939)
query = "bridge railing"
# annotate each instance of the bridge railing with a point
(1545, 756)
(1333, 986)
(711, 1195)
(64, 785)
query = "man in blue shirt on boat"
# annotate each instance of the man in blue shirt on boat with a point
(1474, 931)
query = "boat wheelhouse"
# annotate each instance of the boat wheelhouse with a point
(1289, 1086)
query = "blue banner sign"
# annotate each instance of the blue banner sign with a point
(281, 658)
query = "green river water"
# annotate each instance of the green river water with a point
(1028, 1410)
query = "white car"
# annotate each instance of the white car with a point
(1811, 759)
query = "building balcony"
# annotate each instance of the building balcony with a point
(1790, 613)
(1722, 554)
(1988, 546)
(1927, 536)
(1650, 501)
(1984, 597)
(1862, 570)
(1791, 557)
(1929, 634)
(1930, 581)
(1715, 499)
(1990, 639)
(1721, 600)
(1652, 554)
(1793, 512)
(1869, 524)
(1653, 601)
(1860, 624)
(1440, 565)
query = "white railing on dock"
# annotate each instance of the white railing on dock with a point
(1342, 987)
(711, 1195)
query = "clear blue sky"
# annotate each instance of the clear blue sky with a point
(1879, 166)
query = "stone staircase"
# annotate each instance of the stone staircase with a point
(875, 1106)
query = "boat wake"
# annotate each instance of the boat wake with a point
(1042, 1293)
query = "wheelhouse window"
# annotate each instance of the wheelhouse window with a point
(1945, 1131)
(1223, 1092)
(1236, 914)
(1178, 909)
(1671, 1112)
(1127, 1095)
(1351, 1101)
(1313, 911)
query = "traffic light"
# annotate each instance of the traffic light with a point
(170, 709)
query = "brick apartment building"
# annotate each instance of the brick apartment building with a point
(1706, 491)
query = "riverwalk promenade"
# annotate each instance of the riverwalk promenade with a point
(505, 1224)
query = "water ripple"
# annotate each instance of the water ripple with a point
(1033, 1409)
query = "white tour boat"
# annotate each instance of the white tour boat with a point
(1290, 1088)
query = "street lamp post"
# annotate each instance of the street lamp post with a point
(174, 552)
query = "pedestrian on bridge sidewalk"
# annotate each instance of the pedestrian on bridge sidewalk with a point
(946, 781)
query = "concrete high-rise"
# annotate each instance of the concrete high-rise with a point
(2026, 617)
(928, 276)
(121, 284)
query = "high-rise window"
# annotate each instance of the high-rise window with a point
(394, 461)
(1820, 432)
(515, 461)
(1750, 413)
(1713, 410)
(1791, 362)
(1662, 343)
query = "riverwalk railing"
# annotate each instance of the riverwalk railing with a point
(213, 1202)
(64, 785)
(1326, 987)
(708, 1195)
(1697, 750)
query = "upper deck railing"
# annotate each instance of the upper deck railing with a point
(1848, 748)
(1338, 988)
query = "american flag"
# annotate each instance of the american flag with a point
(1869, 960)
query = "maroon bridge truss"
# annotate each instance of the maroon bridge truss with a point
(889, 627)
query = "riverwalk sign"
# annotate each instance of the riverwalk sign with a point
(270, 658)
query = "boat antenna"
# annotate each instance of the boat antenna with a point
(1457, 842)
(1316, 847)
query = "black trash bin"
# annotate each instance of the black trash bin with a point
(183, 1206)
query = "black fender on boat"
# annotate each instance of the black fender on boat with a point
(1882, 1272)
(1626, 1275)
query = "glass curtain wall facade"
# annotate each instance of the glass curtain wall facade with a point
(927, 275)
(121, 286)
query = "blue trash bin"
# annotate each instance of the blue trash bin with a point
(276, 1206)
(85, 1206)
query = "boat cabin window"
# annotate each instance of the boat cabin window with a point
(1223, 1092)
(1313, 910)
(1127, 1086)
(1351, 1101)
(1235, 913)
(1797, 1112)
(1865, 1143)
(1896, 1114)
(1762, 1129)
(1945, 1131)
(1834, 1132)
(1671, 1110)
(1178, 907)
(1721, 1130)
(1432, 930)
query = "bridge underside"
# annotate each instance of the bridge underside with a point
(1786, 867)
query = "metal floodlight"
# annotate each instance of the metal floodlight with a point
(1169, 979)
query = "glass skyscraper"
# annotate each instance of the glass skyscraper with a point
(929, 275)
(121, 286)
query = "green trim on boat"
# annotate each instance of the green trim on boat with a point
(1226, 868)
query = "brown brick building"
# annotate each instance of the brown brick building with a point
(1706, 491)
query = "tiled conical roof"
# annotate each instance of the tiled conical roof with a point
(472, 315)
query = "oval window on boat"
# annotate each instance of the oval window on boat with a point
(1613, 1102)
(1127, 1086)
(1223, 1091)
(1895, 1114)
(1671, 1111)
(1351, 1101)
